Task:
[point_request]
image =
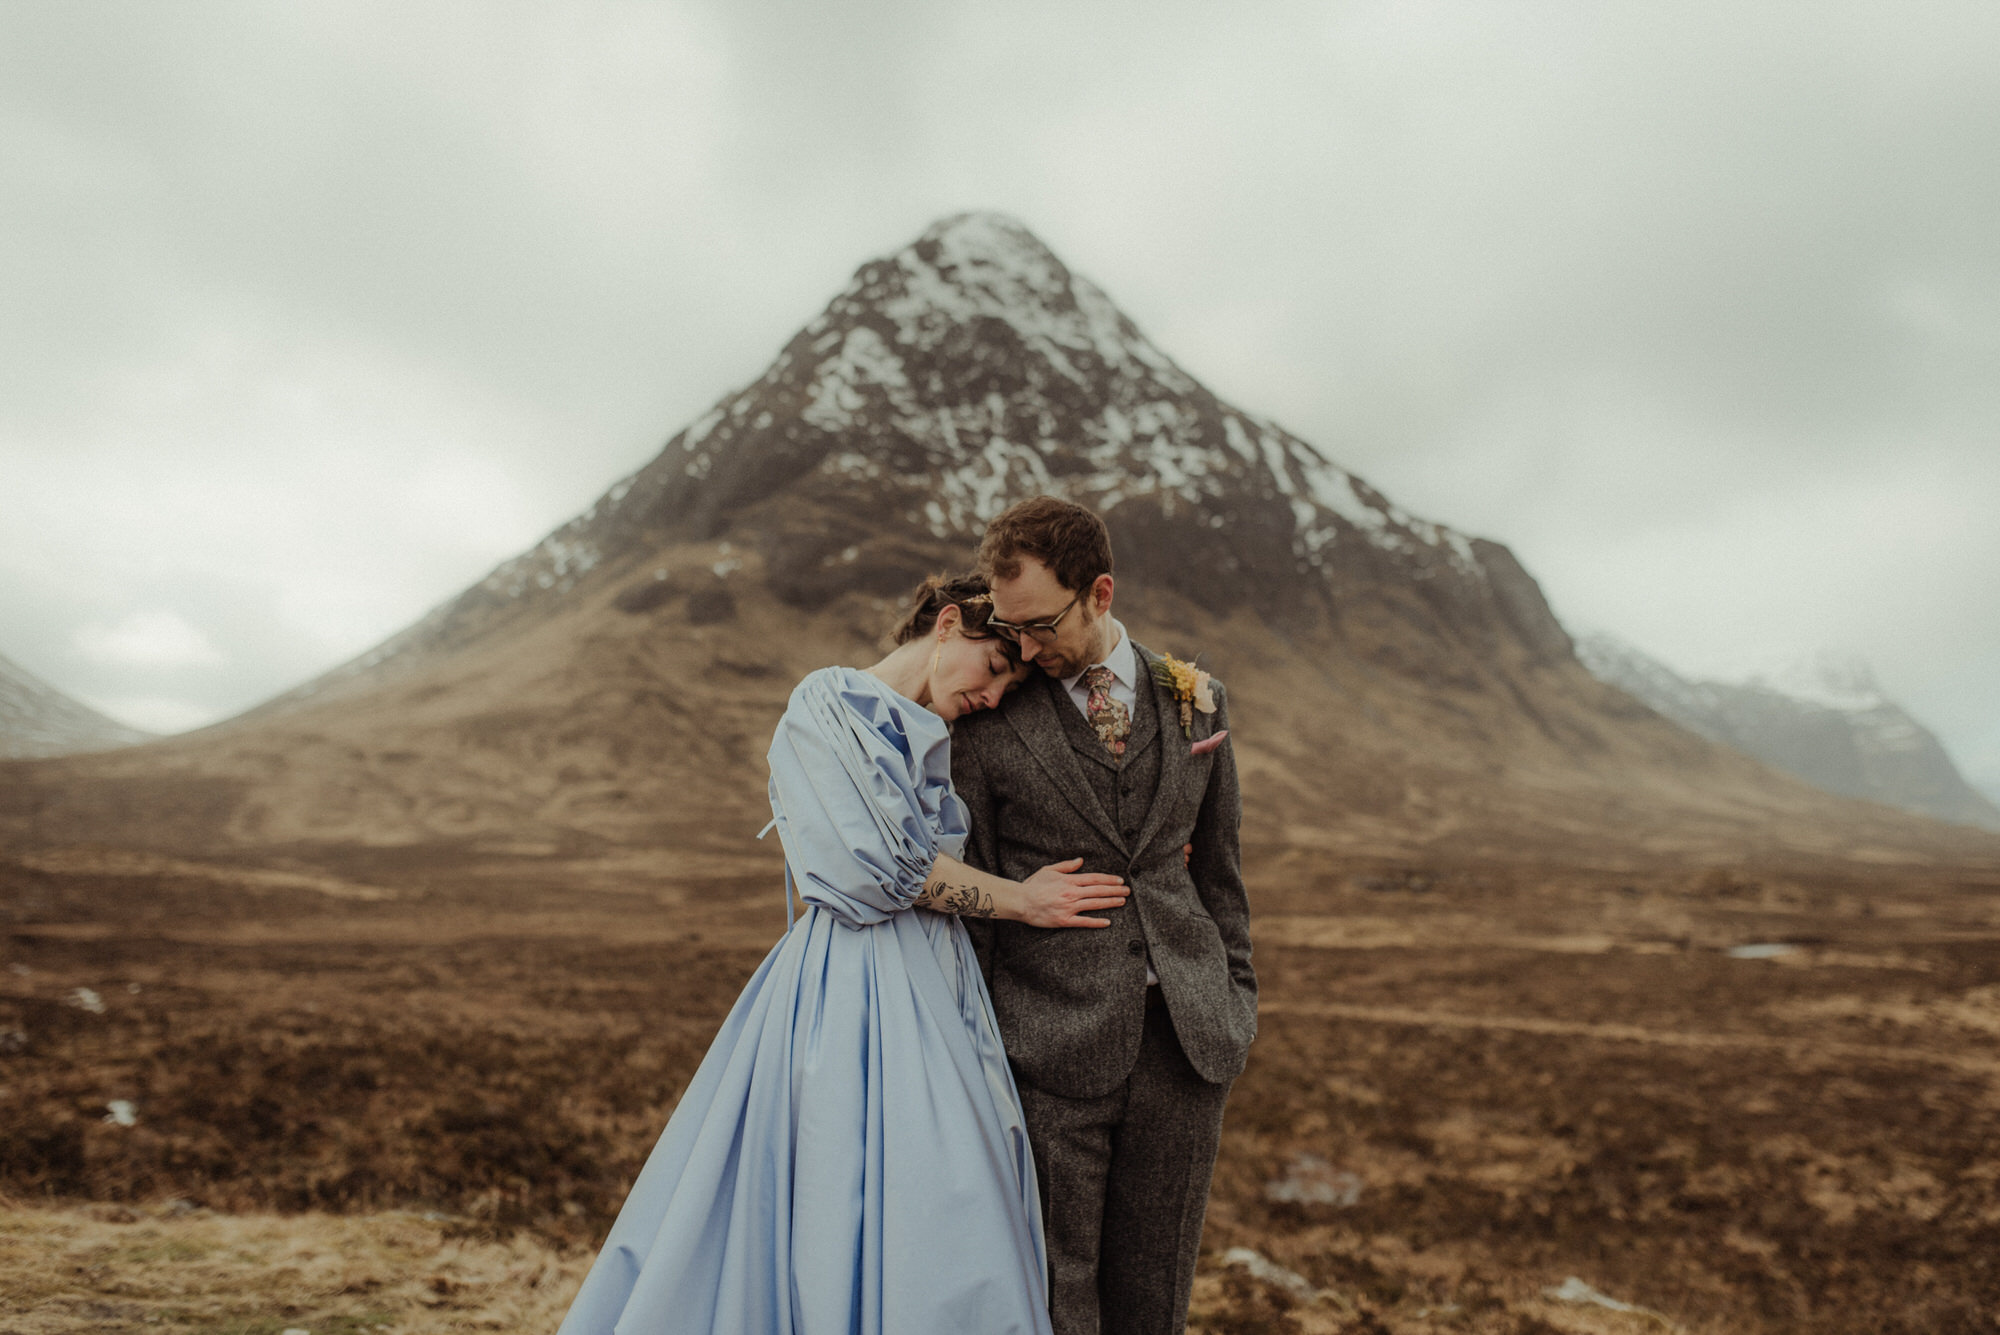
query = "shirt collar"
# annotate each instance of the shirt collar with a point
(1122, 661)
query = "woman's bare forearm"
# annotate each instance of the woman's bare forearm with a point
(953, 887)
(1059, 895)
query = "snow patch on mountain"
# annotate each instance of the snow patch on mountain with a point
(863, 359)
(556, 562)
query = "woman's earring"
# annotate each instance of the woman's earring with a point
(936, 656)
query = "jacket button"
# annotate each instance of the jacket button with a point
(1137, 947)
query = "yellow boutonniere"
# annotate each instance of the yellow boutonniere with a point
(1190, 685)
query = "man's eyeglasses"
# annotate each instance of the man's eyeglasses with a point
(1042, 632)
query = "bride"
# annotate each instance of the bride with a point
(851, 1157)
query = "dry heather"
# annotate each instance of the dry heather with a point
(106, 1269)
(1484, 1099)
(118, 1270)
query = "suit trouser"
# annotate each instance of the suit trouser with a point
(1124, 1180)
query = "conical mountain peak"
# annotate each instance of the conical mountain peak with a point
(971, 369)
(987, 266)
(990, 251)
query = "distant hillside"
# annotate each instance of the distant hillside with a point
(36, 719)
(1828, 723)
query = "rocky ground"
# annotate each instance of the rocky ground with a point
(406, 1092)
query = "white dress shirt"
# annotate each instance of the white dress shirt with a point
(1124, 665)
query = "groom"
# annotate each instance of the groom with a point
(1124, 1039)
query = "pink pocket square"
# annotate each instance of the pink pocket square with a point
(1207, 744)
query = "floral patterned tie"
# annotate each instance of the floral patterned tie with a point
(1111, 719)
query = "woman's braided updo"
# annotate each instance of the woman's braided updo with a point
(968, 593)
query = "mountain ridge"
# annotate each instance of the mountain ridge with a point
(38, 720)
(1400, 689)
(1828, 722)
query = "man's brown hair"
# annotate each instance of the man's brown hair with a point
(1069, 539)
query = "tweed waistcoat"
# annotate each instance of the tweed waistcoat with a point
(1124, 785)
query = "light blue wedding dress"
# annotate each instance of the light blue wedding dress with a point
(850, 1159)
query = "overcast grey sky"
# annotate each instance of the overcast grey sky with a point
(315, 312)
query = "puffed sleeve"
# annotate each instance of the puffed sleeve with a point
(861, 790)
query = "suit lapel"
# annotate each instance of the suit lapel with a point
(1176, 761)
(1034, 719)
(1146, 722)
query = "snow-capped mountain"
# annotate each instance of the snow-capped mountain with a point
(1825, 720)
(967, 371)
(1399, 685)
(972, 369)
(36, 719)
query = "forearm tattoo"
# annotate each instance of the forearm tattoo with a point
(965, 900)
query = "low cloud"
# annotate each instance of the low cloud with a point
(154, 713)
(155, 639)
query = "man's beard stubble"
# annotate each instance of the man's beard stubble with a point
(1070, 662)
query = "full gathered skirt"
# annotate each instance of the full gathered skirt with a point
(850, 1159)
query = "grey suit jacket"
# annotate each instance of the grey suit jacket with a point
(1071, 1001)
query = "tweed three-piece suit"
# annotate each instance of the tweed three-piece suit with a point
(1123, 1084)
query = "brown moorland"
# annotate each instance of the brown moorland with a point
(1471, 1084)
